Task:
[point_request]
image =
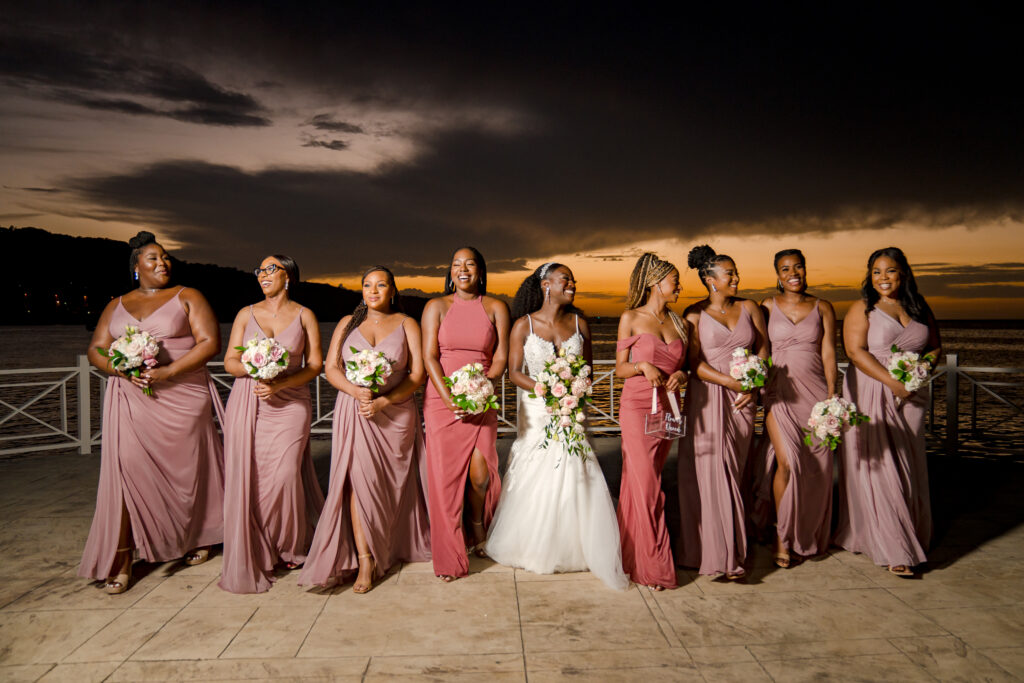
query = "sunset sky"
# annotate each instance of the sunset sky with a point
(347, 136)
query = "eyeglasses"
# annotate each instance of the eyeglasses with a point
(269, 270)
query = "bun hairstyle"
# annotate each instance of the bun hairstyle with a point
(291, 268)
(530, 295)
(360, 312)
(913, 303)
(481, 269)
(143, 238)
(703, 259)
(648, 271)
(779, 255)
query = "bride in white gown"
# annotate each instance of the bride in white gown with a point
(555, 512)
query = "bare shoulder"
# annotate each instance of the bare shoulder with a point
(825, 307)
(493, 304)
(768, 303)
(438, 305)
(858, 307)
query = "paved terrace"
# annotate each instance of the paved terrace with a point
(836, 617)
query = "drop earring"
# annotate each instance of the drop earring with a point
(136, 276)
(286, 285)
(713, 288)
(392, 301)
(547, 294)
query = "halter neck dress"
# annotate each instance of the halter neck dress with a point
(555, 513)
(646, 548)
(380, 461)
(466, 335)
(161, 454)
(714, 454)
(272, 498)
(884, 504)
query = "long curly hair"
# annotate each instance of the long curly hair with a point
(360, 312)
(530, 295)
(913, 303)
(481, 269)
(648, 271)
(703, 259)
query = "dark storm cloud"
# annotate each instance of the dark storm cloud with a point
(78, 72)
(42, 190)
(335, 145)
(327, 122)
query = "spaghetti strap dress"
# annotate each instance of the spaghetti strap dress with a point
(466, 335)
(161, 456)
(884, 504)
(714, 453)
(379, 461)
(271, 497)
(797, 384)
(646, 548)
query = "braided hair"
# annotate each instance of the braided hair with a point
(530, 295)
(648, 271)
(703, 259)
(360, 312)
(481, 269)
(913, 303)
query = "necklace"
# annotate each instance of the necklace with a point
(660, 321)
(150, 290)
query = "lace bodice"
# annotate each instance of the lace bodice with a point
(537, 350)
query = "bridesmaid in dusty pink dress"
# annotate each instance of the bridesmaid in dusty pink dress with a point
(884, 506)
(271, 496)
(720, 416)
(463, 326)
(649, 355)
(161, 487)
(376, 511)
(801, 329)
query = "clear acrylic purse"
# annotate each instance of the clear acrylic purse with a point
(665, 424)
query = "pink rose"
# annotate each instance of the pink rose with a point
(549, 409)
(276, 353)
(540, 389)
(558, 391)
(581, 416)
(565, 374)
(565, 421)
(258, 359)
(569, 401)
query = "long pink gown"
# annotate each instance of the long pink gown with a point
(646, 548)
(161, 455)
(884, 506)
(714, 453)
(271, 496)
(380, 461)
(466, 336)
(798, 382)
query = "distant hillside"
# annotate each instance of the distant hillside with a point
(60, 279)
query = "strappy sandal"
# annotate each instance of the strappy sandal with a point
(361, 589)
(901, 570)
(292, 566)
(735, 576)
(197, 556)
(119, 584)
(478, 549)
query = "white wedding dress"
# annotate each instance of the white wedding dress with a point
(555, 513)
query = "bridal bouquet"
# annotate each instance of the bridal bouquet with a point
(566, 387)
(471, 390)
(131, 352)
(909, 368)
(750, 369)
(264, 358)
(368, 368)
(829, 419)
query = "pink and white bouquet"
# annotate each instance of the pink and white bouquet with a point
(132, 352)
(471, 390)
(909, 368)
(264, 359)
(566, 387)
(829, 419)
(750, 369)
(368, 368)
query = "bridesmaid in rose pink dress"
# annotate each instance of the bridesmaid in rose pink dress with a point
(884, 506)
(376, 513)
(650, 352)
(161, 486)
(720, 416)
(801, 329)
(271, 497)
(463, 326)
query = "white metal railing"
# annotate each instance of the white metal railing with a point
(53, 408)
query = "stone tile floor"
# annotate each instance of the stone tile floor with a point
(835, 617)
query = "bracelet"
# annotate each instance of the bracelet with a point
(636, 369)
